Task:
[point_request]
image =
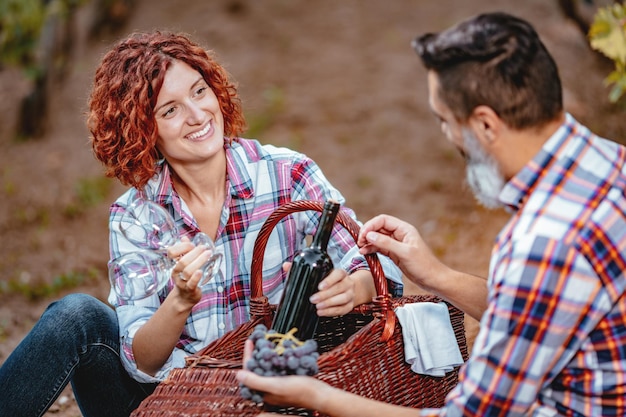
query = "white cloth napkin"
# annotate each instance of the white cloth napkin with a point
(430, 345)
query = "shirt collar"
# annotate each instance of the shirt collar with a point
(161, 189)
(517, 190)
(237, 171)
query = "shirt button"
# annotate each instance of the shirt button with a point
(220, 289)
(221, 326)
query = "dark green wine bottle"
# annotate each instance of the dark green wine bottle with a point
(310, 266)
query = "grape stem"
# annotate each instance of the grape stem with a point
(279, 339)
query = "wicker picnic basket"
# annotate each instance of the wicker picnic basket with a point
(361, 352)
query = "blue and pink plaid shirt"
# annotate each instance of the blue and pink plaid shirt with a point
(553, 339)
(260, 178)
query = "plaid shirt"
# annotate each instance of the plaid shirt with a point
(553, 339)
(260, 178)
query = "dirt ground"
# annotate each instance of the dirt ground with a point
(335, 80)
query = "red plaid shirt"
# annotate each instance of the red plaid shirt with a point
(260, 179)
(553, 339)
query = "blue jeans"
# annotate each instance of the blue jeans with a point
(76, 340)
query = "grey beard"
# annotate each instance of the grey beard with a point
(486, 183)
(482, 173)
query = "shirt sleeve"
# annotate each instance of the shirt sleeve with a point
(544, 300)
(133, 314)
(311, 184)
(131, 318)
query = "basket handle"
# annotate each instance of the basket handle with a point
(380, 303)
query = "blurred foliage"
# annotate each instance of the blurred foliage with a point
(88, 192)
(34, 291)
(608, 36)
(258, 123)
(20, 26)
(21, 23)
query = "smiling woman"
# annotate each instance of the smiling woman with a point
(191, 139)
(165, 118)
(188, 111)
(123, 74)
(210, 181)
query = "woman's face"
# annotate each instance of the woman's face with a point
(189, 119)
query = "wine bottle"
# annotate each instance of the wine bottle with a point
(309, 267)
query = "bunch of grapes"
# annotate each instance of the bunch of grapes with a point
(277, 354)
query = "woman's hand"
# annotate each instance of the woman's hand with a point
(336, 295)
(187, 272)
(339, 292)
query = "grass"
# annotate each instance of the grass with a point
(32, 215)
(258, 123)
(365, 182)
(34, 220)
(35, 291)
(3, 332)
(88, 192)
(8, 186)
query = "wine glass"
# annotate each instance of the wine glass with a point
(148, 225)
(212, 265)
(137, 275)
(151, 228)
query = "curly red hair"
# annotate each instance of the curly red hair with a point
(127, 83)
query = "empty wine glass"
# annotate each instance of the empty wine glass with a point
(212, 265)
(137, 275)
(148, 225)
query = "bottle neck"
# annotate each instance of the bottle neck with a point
(325, 229)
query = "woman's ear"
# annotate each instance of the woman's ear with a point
(486, 125)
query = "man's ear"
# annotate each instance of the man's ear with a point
(486, 125)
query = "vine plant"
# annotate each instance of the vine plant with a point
(608, 36)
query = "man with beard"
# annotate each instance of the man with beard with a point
(553, 328)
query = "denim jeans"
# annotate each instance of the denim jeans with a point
(76, 340)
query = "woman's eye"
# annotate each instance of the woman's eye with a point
(201, 90)
(169, 111)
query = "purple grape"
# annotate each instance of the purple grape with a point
(278, 355)
(261, 343)
(267, 353)
(265, 365)
(301, 371)
(246, 392)
(293, 363)
(309, 346)
(251, 364)
(308, 362)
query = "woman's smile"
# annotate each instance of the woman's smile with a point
(207, 131)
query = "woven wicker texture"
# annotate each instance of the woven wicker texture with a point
(361, 352)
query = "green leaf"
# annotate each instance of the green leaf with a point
(614, 77)
(616, 93)
(608, 32)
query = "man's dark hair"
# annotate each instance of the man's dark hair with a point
(496, 60)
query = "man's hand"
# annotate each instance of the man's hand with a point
(287, 391)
